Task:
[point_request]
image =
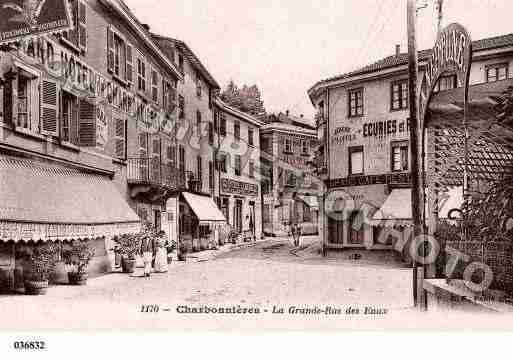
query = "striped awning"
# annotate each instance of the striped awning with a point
(42, 201)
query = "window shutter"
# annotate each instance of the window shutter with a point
(119, 139)
(110, 49)
(87, 124)
(129, 70)
(49, 107)
(8, 102)
(82, 25)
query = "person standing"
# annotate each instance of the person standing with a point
(161, 265)
(147, 251)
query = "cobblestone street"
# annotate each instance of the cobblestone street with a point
(266, 275)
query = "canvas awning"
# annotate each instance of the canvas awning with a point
(396, 210)
(48, 202)
(204, 208)
(310, 201)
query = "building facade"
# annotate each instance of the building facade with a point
(85, 133)
(290, 188)
(238, 170)
(364, 132)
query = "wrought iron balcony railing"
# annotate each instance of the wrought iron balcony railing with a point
(152, 171)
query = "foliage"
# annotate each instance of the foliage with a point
(130, 244)
(248, 99)
(78, 256)
(42, 262)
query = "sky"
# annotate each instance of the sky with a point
(286, 46)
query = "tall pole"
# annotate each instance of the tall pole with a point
(439, 8)
(416, 194)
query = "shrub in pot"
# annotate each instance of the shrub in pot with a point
(42, 263)
(128, 245)
(77, 260)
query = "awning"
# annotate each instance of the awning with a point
(396, 210)
(310, 201)
(204, 208)
(49, 202)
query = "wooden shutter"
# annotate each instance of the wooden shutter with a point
(82, 25)
(119, 138)
(129, 69)
(87, 124)
(9, 101)
(49, 107)
(110, 49)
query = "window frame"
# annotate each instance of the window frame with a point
(351, 150)
(251, 135)
(237, 165)
(400, 145)
(496, 67)
(236, 130)
(287, 146)
(155, 85)
(355, 91)
(141, 74)
(403, 102)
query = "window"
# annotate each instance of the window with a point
(222, 125)
(181, 107)
(171, 153)
(251, 169)
(211, 175)
(399, 95)
(181, 160)
(238, 165)
(236, 130)
(180, 62)
(168, 96)
(400, 152)
(496, 72)
(77, 36)
(154, 86)
(210, 133)
(120, 138)
(222, 162)
(198, 122)
(198, 85)
(141, 75)
(288, 145)
(356, 160)
(129, 66)
(355, 103)
(304, 147)
(69, 118)
(24, 102)
(291, 179)
(119, 54)
(250, 136)
(445, 83)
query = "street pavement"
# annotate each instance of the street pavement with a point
(270, 276)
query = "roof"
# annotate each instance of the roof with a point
(288, 127)
(204, 208)
(238, 113)
(402, 58)
(167, 44)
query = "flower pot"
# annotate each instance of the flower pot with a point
(77, 278)
(128, 265)
(33, 287)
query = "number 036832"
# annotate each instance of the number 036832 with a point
(29, 345)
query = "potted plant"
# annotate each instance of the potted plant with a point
(128, 246)
(182, 252)
(77, 260)
(42, 262)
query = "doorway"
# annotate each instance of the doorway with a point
(237, 216)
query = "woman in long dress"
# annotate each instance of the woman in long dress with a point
(161, 265)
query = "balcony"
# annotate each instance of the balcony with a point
(150, 177)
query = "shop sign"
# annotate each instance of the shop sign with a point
(294, 160)
(391, 178)
(385, 128)
(229, 186)
(22, 18)
(452, 53)
(102, 129)
(342, 135)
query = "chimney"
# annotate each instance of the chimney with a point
(287, 113)
(302, 116)
(146, 26)
(397, 50)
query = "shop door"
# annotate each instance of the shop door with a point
(238, 216)
(335, 231)
(355, 230)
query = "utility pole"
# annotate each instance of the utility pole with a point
(416, 192)
(439, 8)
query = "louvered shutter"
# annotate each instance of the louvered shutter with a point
(73, 33)
(49, 107)
(119, 138)
(82, 25)
(129, 70)
(8, 101)
(87, 124)
(110, 49)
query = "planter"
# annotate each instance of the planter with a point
(33, 287)
(128, 265)
(77, 278)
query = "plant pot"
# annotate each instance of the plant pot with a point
(128, 265)
(36, 287)
(77, 278)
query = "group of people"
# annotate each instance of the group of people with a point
(154, 253)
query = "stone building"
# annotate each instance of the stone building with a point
(289, 187)
(85, 134)
(363, 129)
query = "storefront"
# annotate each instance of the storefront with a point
(43, 201)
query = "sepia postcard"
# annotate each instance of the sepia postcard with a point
(255, 165)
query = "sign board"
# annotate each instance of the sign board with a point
(102, 129)
(26, 18)
(452, 53)
(229, 186)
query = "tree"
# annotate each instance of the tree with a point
(248, 99)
